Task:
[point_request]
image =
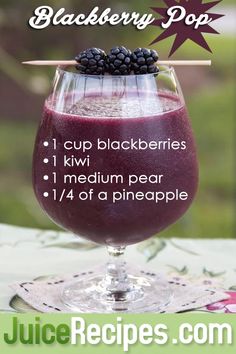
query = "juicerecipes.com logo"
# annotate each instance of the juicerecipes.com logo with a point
(186, 19)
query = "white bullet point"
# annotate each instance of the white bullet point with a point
(45, 143)
(45, 160)
(45, 194)
(45, 177)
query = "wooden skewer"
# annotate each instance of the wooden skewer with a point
(160, 62)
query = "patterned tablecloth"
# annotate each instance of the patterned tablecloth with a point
(26, 254)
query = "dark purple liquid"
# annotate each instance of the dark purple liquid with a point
(125, 222)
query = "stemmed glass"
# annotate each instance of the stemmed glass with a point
(115, 162)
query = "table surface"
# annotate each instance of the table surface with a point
(26, 254)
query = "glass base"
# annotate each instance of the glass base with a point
(146, 292)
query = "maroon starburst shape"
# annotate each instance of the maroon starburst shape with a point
(180, 29)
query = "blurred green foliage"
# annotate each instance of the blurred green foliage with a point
(209, 93)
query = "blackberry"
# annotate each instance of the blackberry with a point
(119, 61)
(91, 61)
(143, 61)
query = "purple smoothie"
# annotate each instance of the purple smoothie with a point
(124, 222)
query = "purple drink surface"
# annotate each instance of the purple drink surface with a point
(127, 221)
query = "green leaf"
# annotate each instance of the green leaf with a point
(211, 274)
(20, 305)
(199, 311)
(7, 310)
(151, 248)
(74, 245)
(233, 288)
(183, 248)
(43, 277)
(181, 271)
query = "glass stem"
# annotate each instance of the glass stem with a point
(116, 278)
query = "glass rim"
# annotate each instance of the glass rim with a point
(167, 69)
